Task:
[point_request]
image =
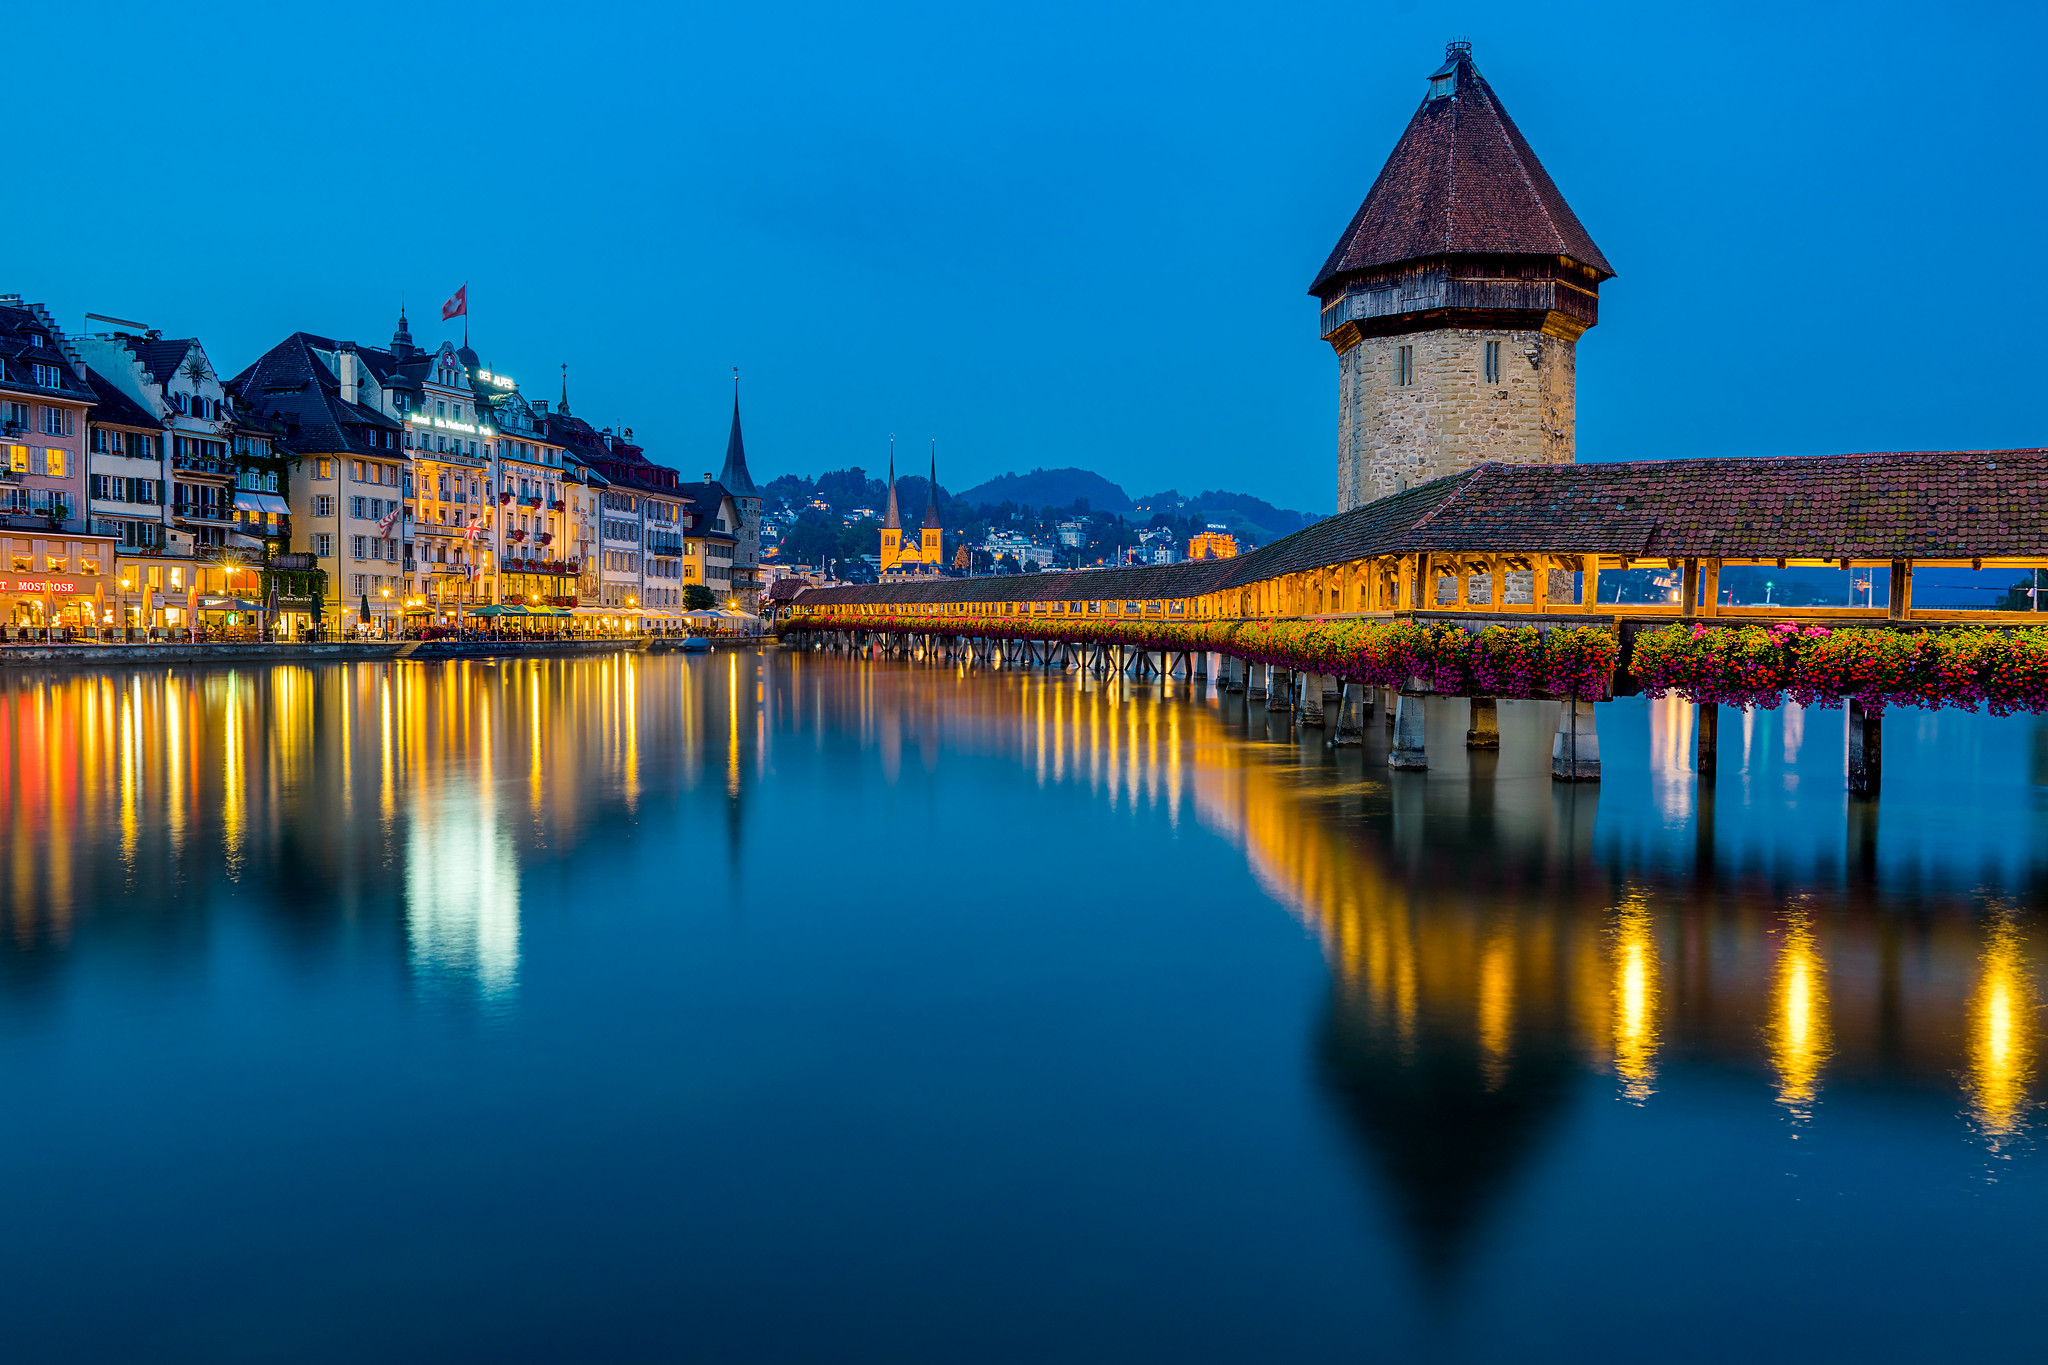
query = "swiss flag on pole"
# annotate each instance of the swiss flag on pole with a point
(457, 306)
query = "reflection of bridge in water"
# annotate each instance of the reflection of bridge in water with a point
(1491, 956)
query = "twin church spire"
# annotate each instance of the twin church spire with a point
(926, 556)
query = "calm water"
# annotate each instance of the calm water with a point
(795, 1008)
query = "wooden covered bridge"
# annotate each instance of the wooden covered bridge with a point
(1908, 541)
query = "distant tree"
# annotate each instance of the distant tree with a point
(697, 597)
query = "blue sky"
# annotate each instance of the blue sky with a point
(1048, 234)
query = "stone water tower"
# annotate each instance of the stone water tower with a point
(1455, 300)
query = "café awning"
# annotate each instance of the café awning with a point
(228, 604)
(246, 501)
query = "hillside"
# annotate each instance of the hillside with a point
(1050, 488)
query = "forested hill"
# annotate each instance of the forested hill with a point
(1251, 519)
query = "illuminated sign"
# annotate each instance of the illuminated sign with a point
(443, 424)
(501, 380)
(39, 584)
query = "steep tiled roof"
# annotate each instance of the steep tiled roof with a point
(292, 383)
(1907, 505)
(117, 409)
(21, 328)
(1462, 181)
(161, 356)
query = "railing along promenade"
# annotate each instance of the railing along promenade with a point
(1573, 583)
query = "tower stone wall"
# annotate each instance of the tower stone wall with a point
(1449, 416)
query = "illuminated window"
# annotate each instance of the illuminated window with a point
(17, 459)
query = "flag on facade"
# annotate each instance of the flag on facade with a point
(457, 305)
(384, 526)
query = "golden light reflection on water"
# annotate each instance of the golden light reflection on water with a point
(1636, 991)
(1800, 1035)
(2004, 1014)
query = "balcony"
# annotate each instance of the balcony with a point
(196, 511)
(546, 566)
(558, 506)
(188, 464)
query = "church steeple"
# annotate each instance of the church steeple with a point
(734, 476)
(894, 520)
(564, 409)
(931, 502)
(401, 340)
(892, 524)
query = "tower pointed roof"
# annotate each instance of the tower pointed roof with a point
(894, 520)
(931, 502)
(734, 476)
(1461, 181)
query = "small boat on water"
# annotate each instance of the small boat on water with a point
(694, 644)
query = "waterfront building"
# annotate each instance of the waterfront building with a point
(172, 378)
(444, 520)
(536, 566)
(1212, 543)
(337, 407)
(56, 569)
(1455, 300)
(644, 501)
(125, 501)
(711, 542)
(734, 478)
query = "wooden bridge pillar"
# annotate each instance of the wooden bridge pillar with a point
(1393, 704)
(1351, 704)
(1484, 730)
(1866, 748)
(1235, 674)
(1410, 750)
(1575, 751)
(1255, 681)
(1708, 740)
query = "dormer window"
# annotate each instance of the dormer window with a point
(1444, 83)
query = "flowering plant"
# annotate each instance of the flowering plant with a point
(1499, 661)
(1759, 666)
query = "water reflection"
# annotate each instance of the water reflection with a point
(1498, 949)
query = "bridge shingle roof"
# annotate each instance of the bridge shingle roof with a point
(1900, 505)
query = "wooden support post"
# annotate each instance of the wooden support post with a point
(1708, 740)
(1484, 731)
(1866, 748)
(1710, 587)
(1255, 681)
(1589, 589)
(1901, 599)
(1410, 750)
(1689, 588)
(1575, 751)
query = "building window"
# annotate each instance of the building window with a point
(362, 584)
(1493, 362)
(1404, 366)
(323, 469)
(53, 463)
(323, 505)
(356, 545)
